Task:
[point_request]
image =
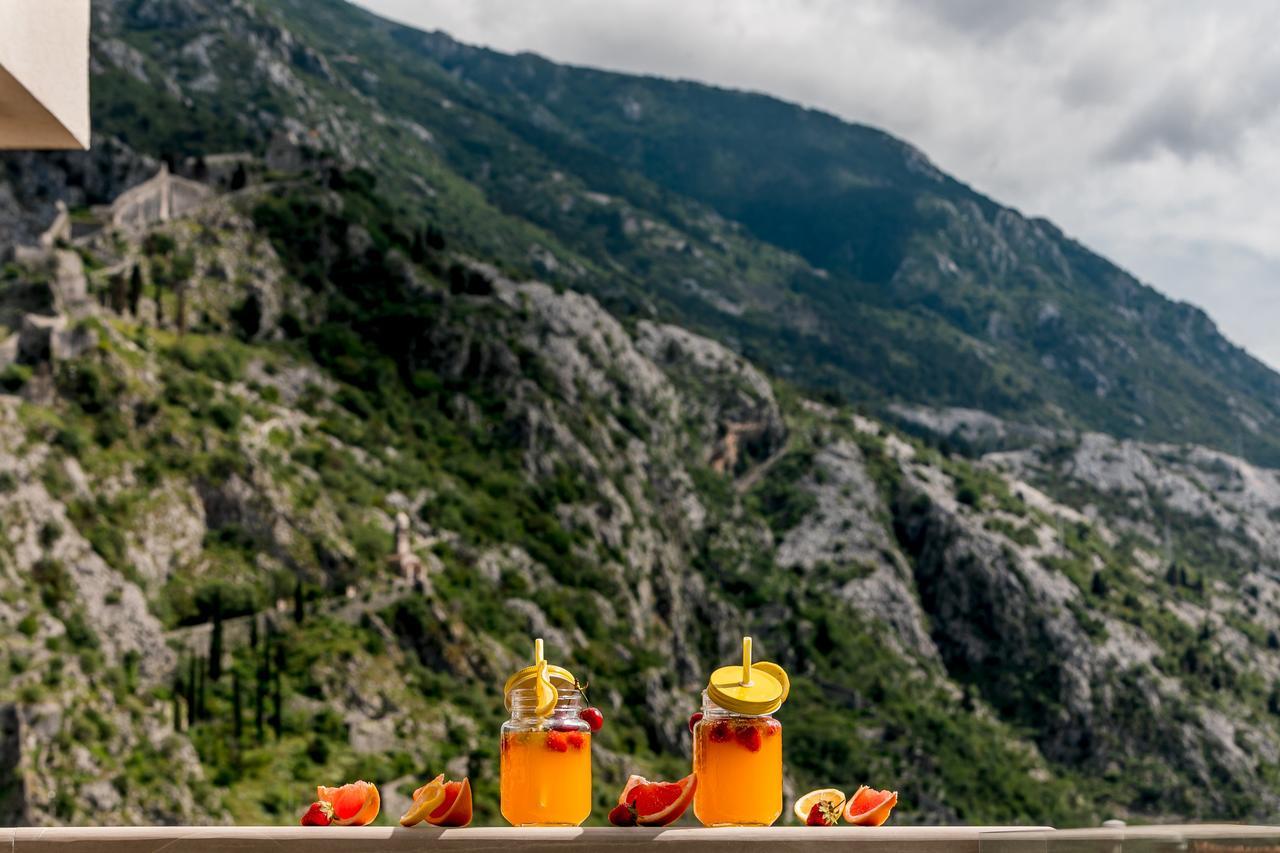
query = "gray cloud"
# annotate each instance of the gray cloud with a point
(1142, 127)
(993, 18)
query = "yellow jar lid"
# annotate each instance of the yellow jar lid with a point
(545, 679)
(752, 688)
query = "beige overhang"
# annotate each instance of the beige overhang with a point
(44, 74)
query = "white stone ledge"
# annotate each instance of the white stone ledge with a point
(1209, 838)
(189, 839)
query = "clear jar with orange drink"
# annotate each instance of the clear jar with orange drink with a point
(737, 745)
(545, 758)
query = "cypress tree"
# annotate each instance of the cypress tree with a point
(260, 693)
(266, 651)
(191, 692)
(157, 279)
(178, 690)
(277, 719)
(435, 238)
(215, 639)
(1099, 585)
(237, 710)
(182, 308)
(135, 289)
(260, 705)
(119, 293)
(202, 708)
(418, 246)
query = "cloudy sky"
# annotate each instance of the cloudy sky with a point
(1146, 128)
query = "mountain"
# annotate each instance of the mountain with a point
(834, 253)
(913, 287)
(408, 279)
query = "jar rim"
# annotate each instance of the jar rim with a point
(711, 709)
(524, 700)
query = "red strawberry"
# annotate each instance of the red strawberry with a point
(749, 736)
(823, 814)
(576, 740)
(720, 732)
(623, 814)
(693, 720)
(558, 741)
(320, 814)
(593, 718)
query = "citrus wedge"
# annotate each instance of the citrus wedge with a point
(869, 807)
(354, 804)
(455, 810)
(830, 797)
(653, 803)
(426, 799)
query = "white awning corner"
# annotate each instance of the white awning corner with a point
(44, 74)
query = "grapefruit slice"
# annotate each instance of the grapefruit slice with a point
(869, 807)
(426, 799)
(354, 804)
(456, 808)
(653, 803)
(831, 800)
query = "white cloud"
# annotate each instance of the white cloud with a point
(1144, 128)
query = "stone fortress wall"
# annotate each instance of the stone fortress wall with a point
(159, 199)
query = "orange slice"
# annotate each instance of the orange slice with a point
(832, 798)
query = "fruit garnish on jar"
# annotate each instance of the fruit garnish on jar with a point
(748, 735)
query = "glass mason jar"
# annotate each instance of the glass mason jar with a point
(546, 763)
(738, 762)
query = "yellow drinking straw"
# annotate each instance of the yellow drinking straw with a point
(753, 688)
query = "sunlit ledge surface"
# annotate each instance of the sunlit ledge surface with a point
(1207, 838)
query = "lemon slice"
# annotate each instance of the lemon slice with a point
(545, 692)
(543, 679)
(833, 798)
(426, 799)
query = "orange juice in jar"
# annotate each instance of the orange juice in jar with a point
(737, 745)
(546, 749)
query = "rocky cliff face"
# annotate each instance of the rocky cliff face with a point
(676, 500)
